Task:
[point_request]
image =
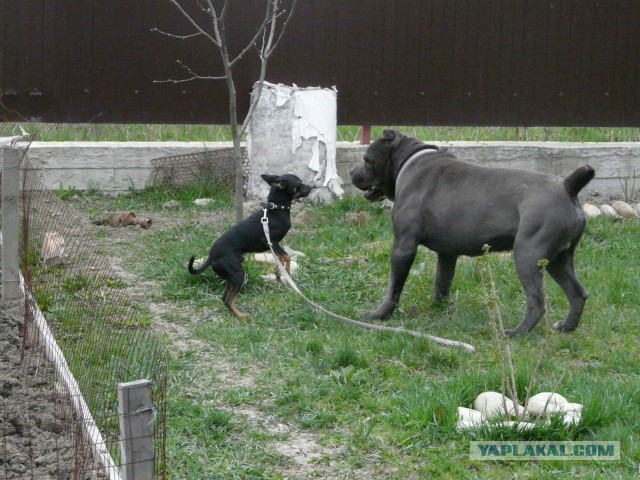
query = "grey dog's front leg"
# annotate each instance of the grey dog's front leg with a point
(401, 261)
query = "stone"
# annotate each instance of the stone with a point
(203, 202)
(270, 277)
(470, 417)
(591, 210)
(636, 208)
(624, 209)
(171, 205)
(572, 413)
(608, 211)
(198, 262)
(545, 403)
(491, 405)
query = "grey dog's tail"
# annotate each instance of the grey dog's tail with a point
(203, 267)
(576, 181)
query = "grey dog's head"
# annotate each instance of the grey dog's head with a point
(377, 176)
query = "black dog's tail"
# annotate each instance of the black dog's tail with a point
(198, 271)
(576, 181)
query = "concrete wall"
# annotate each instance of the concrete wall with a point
(116, 167)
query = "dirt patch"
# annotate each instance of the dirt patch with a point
(32, 441)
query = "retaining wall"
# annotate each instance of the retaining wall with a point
(119, 166)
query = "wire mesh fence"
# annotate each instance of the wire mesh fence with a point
(64, 350)
(215, 166)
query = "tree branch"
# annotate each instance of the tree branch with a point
(194, 23)
(173, 35)
(194, 76)
(284, 27)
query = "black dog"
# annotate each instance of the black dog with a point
(455, 208)
(226, 254)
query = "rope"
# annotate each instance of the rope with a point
(368, 326)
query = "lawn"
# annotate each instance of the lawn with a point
(292, 393)
(49, 132)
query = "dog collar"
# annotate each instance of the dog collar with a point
(410, 160)
(273, 206)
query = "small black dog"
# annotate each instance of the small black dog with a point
(226, 254)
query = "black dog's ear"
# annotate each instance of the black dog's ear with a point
(270, 179)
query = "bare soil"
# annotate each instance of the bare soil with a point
(33, 444)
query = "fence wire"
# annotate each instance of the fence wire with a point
(47, 428)
(215, 166)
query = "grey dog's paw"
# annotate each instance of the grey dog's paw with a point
(383, 312)
(563, 327)
(514, 332)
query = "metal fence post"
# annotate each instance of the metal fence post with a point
(10, 224)
(135, 409)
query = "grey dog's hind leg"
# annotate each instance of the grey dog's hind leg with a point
(445, 271)
(562, 271)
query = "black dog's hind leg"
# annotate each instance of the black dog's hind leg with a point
(236, 277)
(404, 253)
(562, 271)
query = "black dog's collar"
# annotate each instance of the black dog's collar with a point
(273, 206)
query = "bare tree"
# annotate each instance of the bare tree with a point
(264, 42)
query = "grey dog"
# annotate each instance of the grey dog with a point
(456, 208)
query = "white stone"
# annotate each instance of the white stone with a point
(203, 202)
(591, 210)
(293, 253)
(608, 211)
(266, 257)
(572, 413)
(491, 405)
(624, 209)
(198, 262)
(269, 277)
(52, 251)
(466, 425)
(470, 416)
(545, 403)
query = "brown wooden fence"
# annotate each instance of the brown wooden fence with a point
(409, 62)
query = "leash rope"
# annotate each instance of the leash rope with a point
(367, 326)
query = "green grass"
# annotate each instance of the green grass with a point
(350, 133)
(380, 405)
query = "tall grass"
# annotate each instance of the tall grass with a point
(348, 133)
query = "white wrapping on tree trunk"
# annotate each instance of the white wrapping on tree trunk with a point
(294, 130)
(316, 118)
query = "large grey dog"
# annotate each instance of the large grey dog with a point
(455, 208)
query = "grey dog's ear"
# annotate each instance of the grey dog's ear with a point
(388, 134)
